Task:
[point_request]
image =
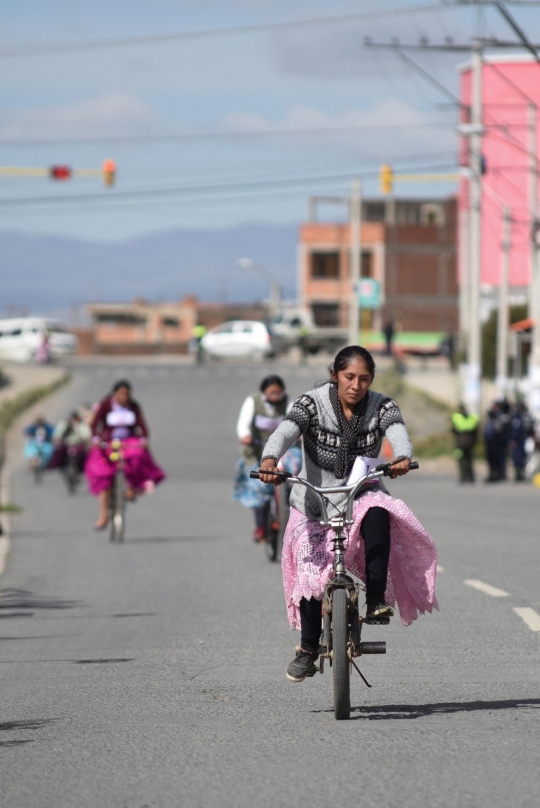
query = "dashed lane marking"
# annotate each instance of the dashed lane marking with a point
(439, 568)
(488, 589)
(529, 617)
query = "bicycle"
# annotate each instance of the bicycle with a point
(117, 505)
(72, 474)
(341, 640)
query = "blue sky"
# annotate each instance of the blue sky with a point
(104, 102)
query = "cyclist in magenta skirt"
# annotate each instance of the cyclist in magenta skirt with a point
(119, 417)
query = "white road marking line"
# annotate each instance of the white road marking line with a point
(529, 617)
(439, 568)
(489, 590)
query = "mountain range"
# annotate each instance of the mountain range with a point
(53, 274)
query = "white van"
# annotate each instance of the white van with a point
(20, 337)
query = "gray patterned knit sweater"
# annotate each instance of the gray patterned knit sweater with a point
(317, 416)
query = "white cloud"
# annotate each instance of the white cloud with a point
(109, 114)
(388, 127)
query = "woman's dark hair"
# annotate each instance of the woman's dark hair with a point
(122, 383)
(349, 354)
(268, 381)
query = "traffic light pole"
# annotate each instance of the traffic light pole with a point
(355, 260)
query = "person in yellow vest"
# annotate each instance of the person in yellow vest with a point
(465, 431)
(197, 334)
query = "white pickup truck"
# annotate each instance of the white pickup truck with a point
(296, 327)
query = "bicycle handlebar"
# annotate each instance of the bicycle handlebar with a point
(382, 470)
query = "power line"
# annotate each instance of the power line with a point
(64, 47)
(219, 135)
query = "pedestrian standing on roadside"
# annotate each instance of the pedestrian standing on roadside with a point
(389, 331)
(521, 428)
(497, 439)
(465, 431)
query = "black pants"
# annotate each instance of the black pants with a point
(375, 529)
(466, 468)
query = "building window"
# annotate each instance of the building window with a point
(366, 266)
(326, 314)
(109, 318)
(325, 265)
(432, 214)
(170, 322)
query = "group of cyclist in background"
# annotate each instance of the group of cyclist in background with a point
(82, 440)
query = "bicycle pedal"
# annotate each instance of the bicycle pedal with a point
(312, 671)
(376, 621)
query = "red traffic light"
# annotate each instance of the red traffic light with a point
(60, 173)
(109, 172)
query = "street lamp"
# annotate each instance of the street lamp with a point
(275, 290)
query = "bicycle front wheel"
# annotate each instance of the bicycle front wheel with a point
(272, 531)
(341, 665)
(118, 521)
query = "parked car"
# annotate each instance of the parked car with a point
(21, 337)
(292, 326)
(239, 338)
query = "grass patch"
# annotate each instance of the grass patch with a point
(427, 418)
(10, 507)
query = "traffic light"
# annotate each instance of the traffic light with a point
(386, 178)
(60, 173)
(109, 172)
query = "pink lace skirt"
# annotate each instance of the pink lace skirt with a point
(140, 467)
(307, 559)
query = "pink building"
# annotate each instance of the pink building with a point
(507, 84)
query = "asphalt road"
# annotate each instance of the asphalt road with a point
(153, 673)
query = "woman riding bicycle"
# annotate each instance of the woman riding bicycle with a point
(341, 422)
(260, 415)
(119, 417)
(71, 435)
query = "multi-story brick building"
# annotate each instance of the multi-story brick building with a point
(408, 245)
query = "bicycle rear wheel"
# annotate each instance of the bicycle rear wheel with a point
(118, 520)
(72, 474)
(340, 659)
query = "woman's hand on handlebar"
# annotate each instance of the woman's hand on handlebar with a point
(400, 468)
(269, 465)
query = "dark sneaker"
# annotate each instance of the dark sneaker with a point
(378, 610)
(302, 665)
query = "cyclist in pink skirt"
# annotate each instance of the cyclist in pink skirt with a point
(119, 417)
(342, 422)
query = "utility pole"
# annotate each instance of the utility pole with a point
(464, 278)
(474, 357)
(355, 260)
(534, 288)
(503, 318)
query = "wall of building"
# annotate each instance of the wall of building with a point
(505, 147)
(414, 260)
